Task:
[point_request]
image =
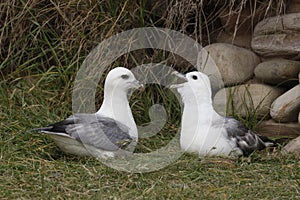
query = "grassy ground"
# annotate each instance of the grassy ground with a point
(44, 44)
(33, 167)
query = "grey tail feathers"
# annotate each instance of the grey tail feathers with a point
(266, 140)
(48, 128)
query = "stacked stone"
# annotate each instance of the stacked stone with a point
(262, 76)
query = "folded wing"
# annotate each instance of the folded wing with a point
(247, 140)
(101, 132)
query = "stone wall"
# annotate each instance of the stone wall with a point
(261, 73)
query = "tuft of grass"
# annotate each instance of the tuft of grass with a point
(37, 35)
(241, 106)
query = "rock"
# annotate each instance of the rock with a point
(286, 107)
(235, 64)
(292, 147)
(271, 128)
(278, 36)
(254, 80)
(278, 71)
(246, 99)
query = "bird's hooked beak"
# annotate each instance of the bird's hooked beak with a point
(179, 80)
(138, 85)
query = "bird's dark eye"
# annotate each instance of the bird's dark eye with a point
(194, 77)
(124, 76)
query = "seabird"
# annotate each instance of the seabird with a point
(108, 132)
(204, 131)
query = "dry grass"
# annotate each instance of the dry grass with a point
(42, 34)
(203, 20)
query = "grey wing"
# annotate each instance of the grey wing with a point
(247, 140)
(101, 132)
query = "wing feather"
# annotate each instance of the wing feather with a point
(247, 140)
(101, 132)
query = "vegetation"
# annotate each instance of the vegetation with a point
(43, 44)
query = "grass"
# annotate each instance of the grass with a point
(33, 167)
(241, 106)
(44, 45)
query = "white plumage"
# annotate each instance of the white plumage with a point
(204, 131)
(108, 132)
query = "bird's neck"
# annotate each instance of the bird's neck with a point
(116, 106)
(199, 110)
(198, 119)
(195, 99)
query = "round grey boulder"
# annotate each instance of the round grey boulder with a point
(246, 99)
(287, 106)
(278, 71)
